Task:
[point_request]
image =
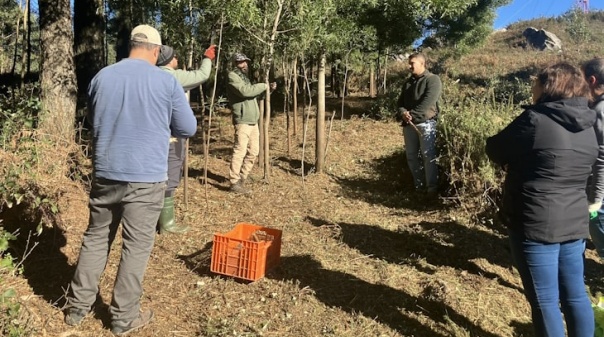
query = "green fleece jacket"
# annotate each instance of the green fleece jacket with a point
(190, 79)
(242, 94)
(420, 95)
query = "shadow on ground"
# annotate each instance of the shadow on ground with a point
(199, 261)
(390, 185)
(447, 244)
(294, 166)
(387, 305)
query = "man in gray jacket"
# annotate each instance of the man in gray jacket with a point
(188, 79)
(242, 94)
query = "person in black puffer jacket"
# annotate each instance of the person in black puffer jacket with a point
(548, 152)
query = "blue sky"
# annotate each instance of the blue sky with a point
(519, 10)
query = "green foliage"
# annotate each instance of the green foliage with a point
(18, 112)
(21, 156)
(465, 122)
(577, 25)
(6, 260)
(463, 29)
(510, 90)
(12, 319)
(385, 106)
(9, 11)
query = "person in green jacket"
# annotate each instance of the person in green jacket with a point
(188, 79)
(242, 95)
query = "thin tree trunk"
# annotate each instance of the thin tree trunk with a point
(333, 115)
(378, 73)
(261, 106)
(320, 130)
(26, 33)
(384, 83)
(295, 95)
(287, 90)
(371, 80)
(185, 167)
(267, 112)
(16, 50)
(344, 84)
(28, 37)
(307, 93)
(207, 142)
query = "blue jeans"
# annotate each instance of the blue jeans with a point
(596, 231)
(422, 144)
(552, 276)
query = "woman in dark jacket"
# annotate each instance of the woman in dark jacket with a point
(548, 152)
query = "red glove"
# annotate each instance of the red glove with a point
(210, 52)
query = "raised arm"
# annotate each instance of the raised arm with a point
(245, 90)
(190, 79)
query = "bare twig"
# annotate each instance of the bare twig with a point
(254, 35)
(207, 147)
(333, 114)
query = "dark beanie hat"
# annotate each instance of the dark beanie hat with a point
(166, 54)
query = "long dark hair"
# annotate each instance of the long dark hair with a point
(562, 80)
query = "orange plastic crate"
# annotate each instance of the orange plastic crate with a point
(246, 252)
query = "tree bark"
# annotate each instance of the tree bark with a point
(320, 131)
(89, 37)
(57, 78)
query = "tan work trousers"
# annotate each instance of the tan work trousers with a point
(245, 151)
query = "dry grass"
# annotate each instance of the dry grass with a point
(360, 256)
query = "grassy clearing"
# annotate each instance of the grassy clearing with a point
(361, 256)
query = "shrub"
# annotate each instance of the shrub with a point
(13, 320)
(465, 122)
(385, 107)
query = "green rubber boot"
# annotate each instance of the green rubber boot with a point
(166, 219)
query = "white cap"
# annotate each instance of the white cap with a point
(145, 33)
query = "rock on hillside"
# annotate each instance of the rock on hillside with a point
(542, 39)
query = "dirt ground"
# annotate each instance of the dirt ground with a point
(361, 255)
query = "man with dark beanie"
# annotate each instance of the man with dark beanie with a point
(168, 61)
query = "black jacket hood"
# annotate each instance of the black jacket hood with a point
(573, 114)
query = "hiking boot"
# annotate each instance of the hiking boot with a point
(74, 316)
(143, 319)
(238, 188)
